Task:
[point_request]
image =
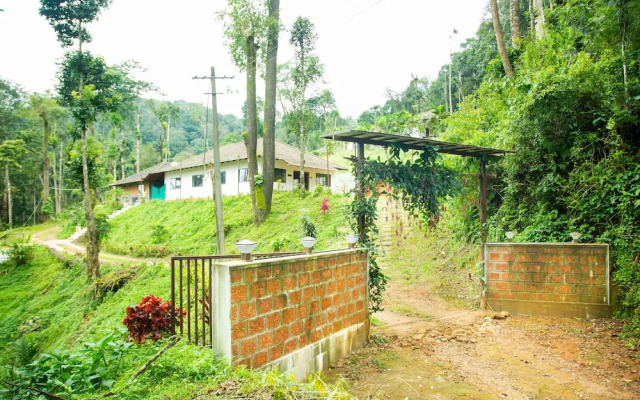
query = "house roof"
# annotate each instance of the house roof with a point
(142, 175)
(233, 152)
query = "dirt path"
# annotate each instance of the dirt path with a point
(48, 237)
(425, 348)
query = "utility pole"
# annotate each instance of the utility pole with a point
(217, 187)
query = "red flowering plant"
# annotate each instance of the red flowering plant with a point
(325, 206)
(150, 319)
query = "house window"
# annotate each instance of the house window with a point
(175, 183)
(323, 180)
(196, 180)
(280, 175)
(223, 177)
(244, 175)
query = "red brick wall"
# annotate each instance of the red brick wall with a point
(280, 306)
(568, 273)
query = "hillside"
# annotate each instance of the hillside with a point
(189, 225)
(57, 336)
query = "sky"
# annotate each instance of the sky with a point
(367, 46)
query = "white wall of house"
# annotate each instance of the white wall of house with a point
(233, 186)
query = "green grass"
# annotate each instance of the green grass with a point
(60, 302)
(191, 224)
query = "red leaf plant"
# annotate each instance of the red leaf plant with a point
(325, 205)
(150, 319)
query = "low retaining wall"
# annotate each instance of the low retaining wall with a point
(552, 279)
(299, 314)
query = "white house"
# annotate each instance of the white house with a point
(191, 178)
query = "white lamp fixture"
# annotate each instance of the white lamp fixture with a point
(308, 243)
(509, 236)
(575, 236)
(245, 247)
(351, 240)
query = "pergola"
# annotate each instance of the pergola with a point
(360, 138)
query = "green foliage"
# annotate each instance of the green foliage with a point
(572, 116)
(245, 20)
(91, 368)
(20, 251)
(308, 227)
(24, 350)
(97, 175)
(280, 243)
(69, 18)
(159, 234)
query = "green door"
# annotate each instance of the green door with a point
(158, 190)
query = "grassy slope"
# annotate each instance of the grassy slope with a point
(62, 300)
(191, 224)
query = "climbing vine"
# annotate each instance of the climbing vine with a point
(420, 181)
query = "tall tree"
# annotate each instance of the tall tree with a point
(164, 112)
(306, 70)
(271, 75)
(245, 30)
(502, 48)
(11, 151)
(68, 19)
(45, 108)
(538, 6)
(514, 8)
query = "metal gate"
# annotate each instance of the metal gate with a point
(191, 291)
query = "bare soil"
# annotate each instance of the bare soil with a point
(428, 348)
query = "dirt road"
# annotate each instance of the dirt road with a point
(427, 348)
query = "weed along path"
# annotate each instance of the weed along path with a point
(425, 347)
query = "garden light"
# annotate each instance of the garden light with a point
(308, 243)
(575, 236)
(245, 247)
(510, 236)
(351, 240)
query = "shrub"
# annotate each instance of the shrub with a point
(308, 227)
(280, 243)
(69, 373)
(20, 252)
(325, 206)
(150, 319)
(318, 190)
(159, 234)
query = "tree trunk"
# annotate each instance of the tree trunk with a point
(93, 248)
(532, 20)
(502, 48)
(251, 140)
(303, 142)
(168, 150)
(45, 160)
(7, 185)
(138, 137)
(56, 199)
(515, 23)
(450, 77)
(446, 103)
(623, 46)
(271, 75)
(60, 181)
(538, 6)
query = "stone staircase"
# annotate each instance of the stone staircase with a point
(81, 231)
(393, 221)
